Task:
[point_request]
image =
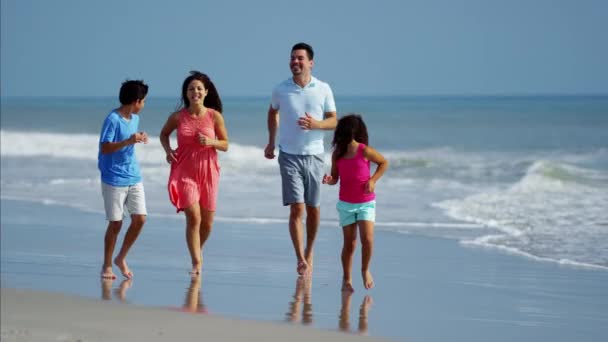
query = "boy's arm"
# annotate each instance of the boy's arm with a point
(111, 147)
(374, 156)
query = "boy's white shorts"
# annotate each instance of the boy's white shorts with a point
(115, 198)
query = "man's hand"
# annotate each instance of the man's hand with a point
(307, 122)
(269, 151)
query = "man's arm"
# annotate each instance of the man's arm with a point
(328, 123)
(273, 124)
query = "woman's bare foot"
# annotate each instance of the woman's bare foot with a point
(368, 280)
(124, 269)
(107, 273)
(347, 286)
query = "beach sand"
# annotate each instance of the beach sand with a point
(427, 289)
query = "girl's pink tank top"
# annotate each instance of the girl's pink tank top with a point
(354, 174)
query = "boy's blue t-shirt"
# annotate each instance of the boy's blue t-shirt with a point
(121, 167)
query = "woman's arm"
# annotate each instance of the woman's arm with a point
(221, 141)
(165, 133)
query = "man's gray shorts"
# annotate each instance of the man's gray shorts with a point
(301, 177)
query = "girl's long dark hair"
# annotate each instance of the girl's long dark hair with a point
(349, 127)
(212, 100)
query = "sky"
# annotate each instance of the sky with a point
(377, 47)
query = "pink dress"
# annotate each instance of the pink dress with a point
(195, 175)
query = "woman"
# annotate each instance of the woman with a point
(194, 177)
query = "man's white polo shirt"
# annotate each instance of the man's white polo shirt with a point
(292, 101)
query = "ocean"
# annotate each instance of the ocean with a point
(522, 175)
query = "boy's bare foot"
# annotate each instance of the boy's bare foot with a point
(368, 280)
(106, 287)
(367, 302)
(124, 269)
(303, 268)
(347, 286)
(107, 273)
(121, 291)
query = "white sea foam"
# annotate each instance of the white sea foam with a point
(543, 205)
(549, 214)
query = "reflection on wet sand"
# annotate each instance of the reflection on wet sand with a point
(120, 293)
(301, 297)
(344, 323)
(193, 301)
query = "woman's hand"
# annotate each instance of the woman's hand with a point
(205, 140)
(172, 156)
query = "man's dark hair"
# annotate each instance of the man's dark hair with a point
(131, 91)
(304, 46)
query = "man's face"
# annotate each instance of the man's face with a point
(300, 63)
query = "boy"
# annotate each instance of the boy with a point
(121, 183)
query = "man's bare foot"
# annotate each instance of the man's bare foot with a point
(347, 286)
(107, 273)
(124, 269)
(303, 268)
(368, 280)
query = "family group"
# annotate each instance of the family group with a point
(306, 108)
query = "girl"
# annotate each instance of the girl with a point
(194, 165)
(357, 206)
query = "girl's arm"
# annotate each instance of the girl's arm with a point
(334, 177)
(165, 133)
(374, 156)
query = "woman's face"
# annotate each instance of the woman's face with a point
(196, 92)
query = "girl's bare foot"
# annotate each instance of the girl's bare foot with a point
(124, 269)
(196, 269)
(107, 273)
(347, 286)
(368, 280)
(309, 260)
(303, 268)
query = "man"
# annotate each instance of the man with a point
(121, 181)
(307, 106)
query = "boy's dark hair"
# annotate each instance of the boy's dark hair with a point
(350, 127)
(212, 100)
(304, 46)
(131, 91)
